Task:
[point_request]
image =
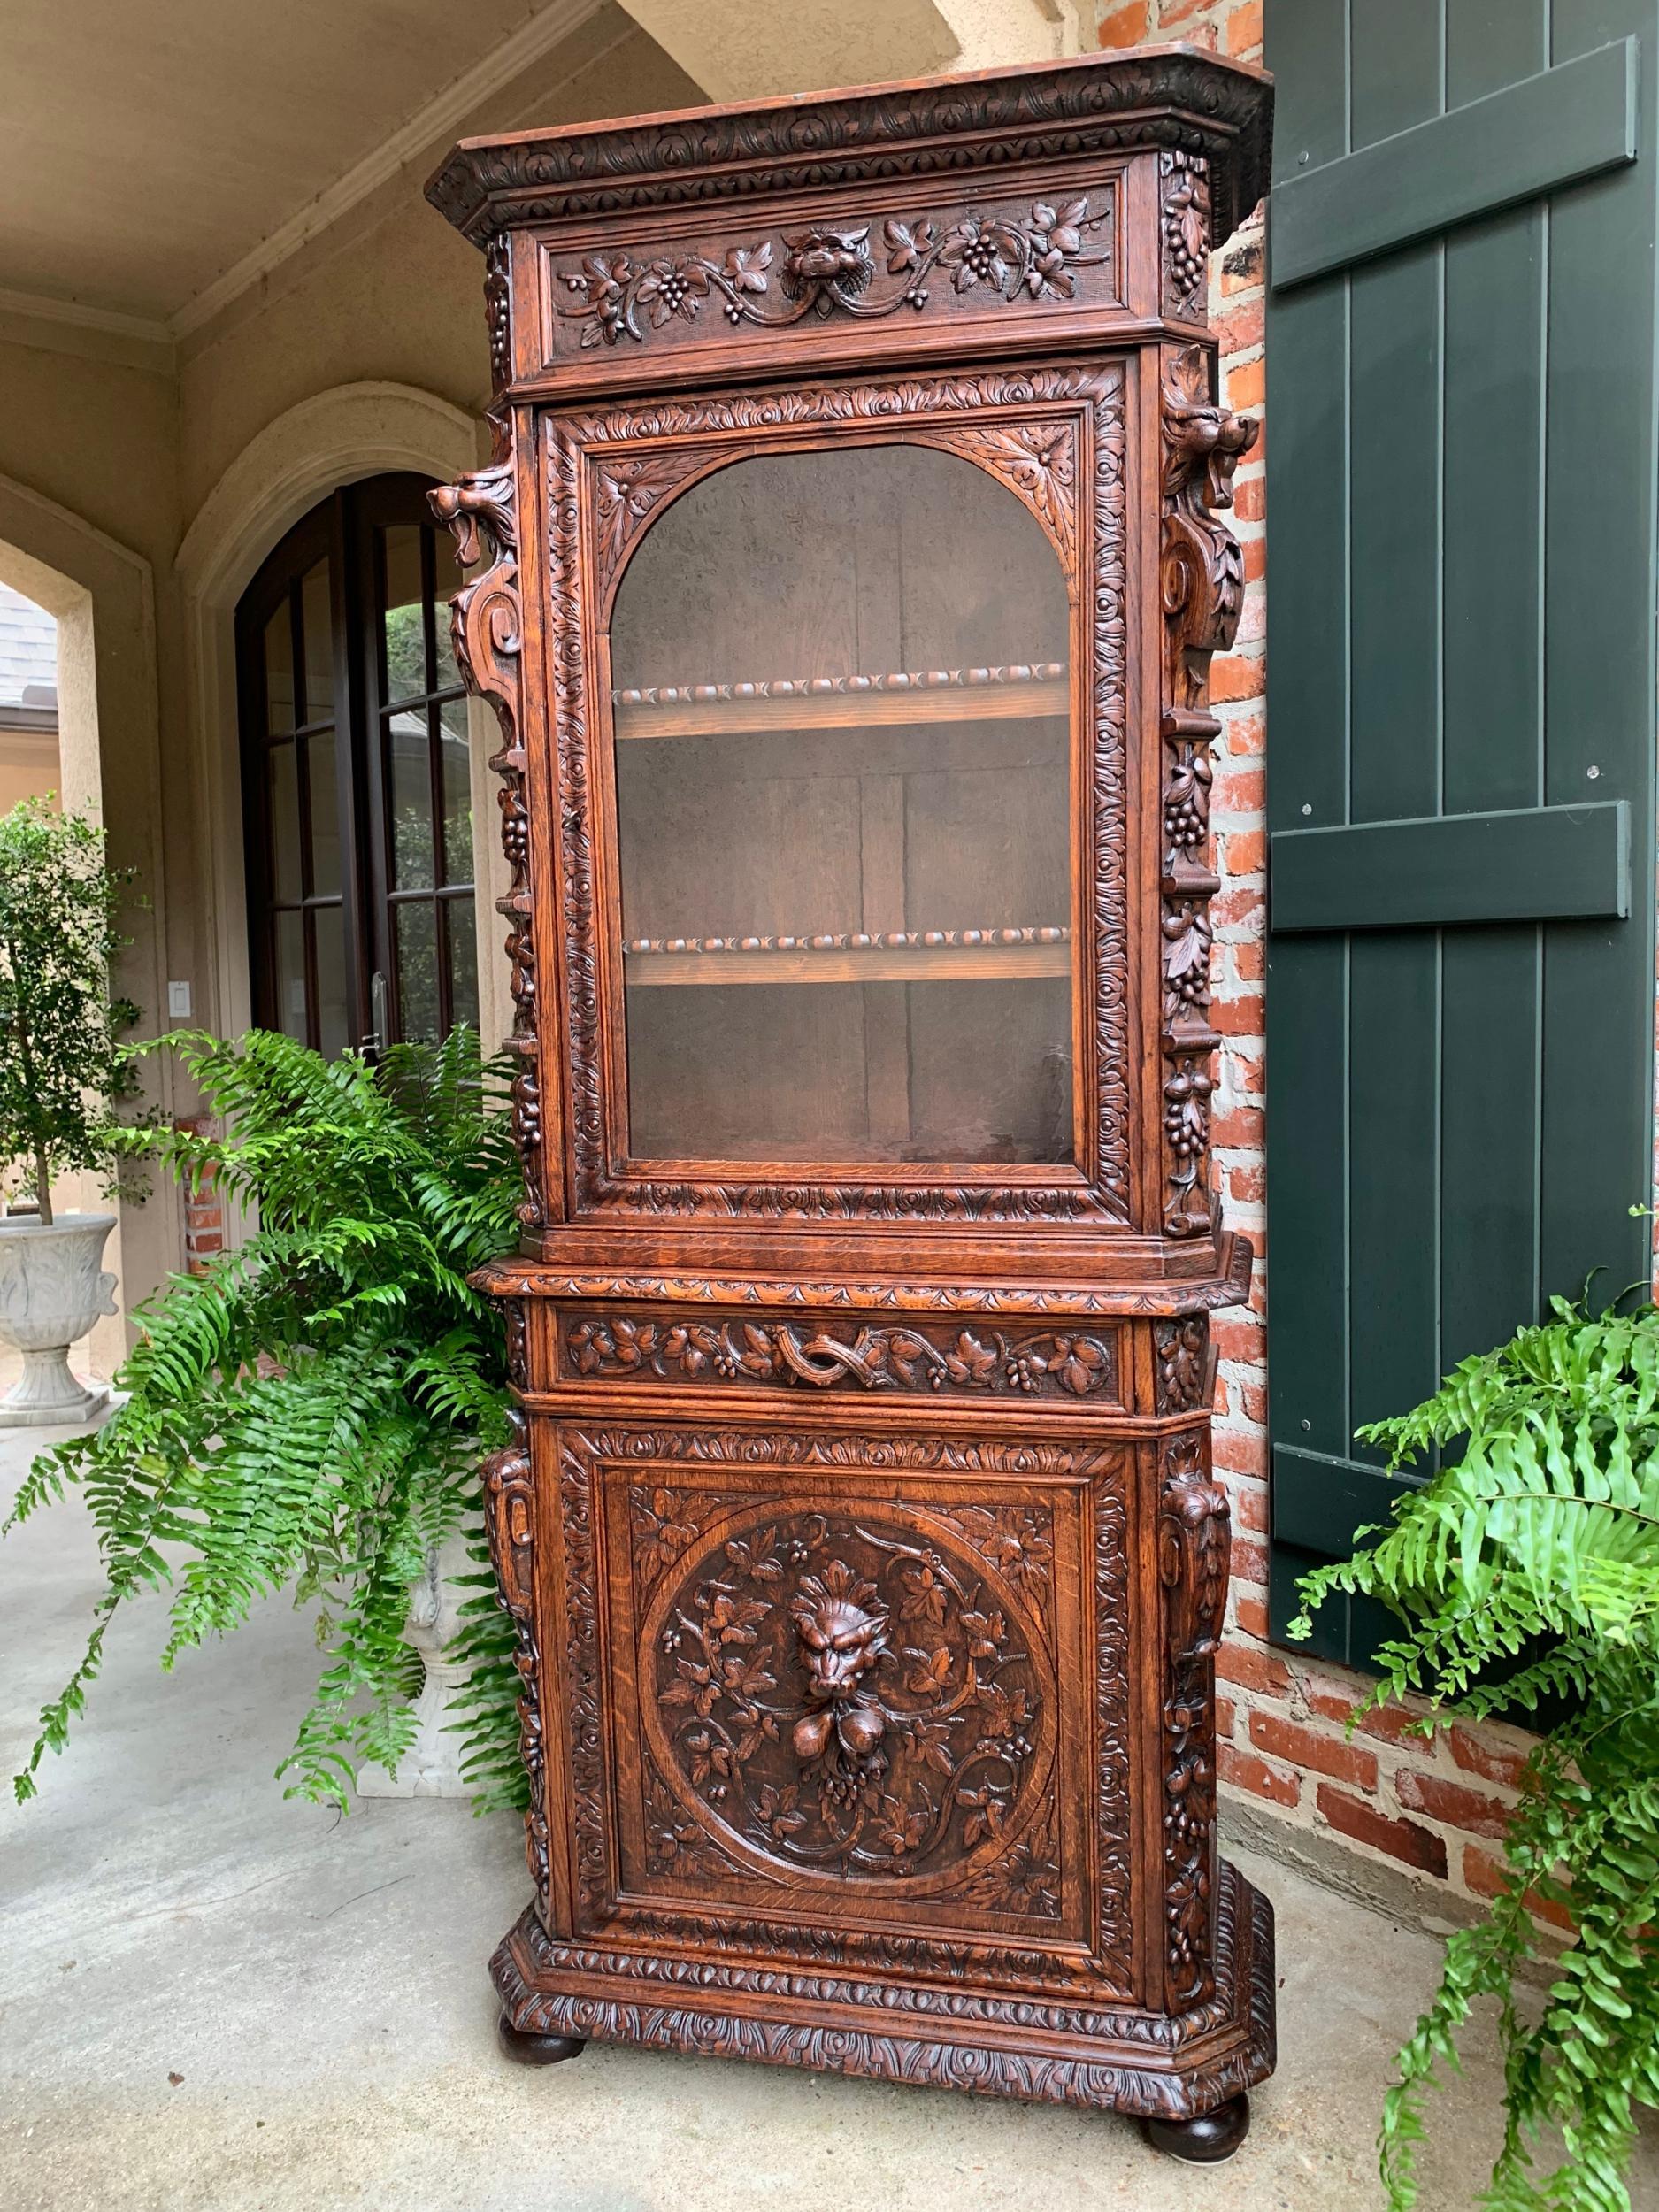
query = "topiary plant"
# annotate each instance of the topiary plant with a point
(311, 1413)
(1536, 1550)
(63, 1064)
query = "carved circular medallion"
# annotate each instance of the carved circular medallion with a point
(863, 1696)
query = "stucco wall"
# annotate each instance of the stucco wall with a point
(391, 291)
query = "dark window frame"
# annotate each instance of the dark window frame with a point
(347, 531)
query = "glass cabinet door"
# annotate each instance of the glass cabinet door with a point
(840, 718)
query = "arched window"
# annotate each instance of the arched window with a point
(356, 783)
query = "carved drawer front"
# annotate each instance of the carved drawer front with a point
(846, 1354)
(862, 1698)
(921, 265)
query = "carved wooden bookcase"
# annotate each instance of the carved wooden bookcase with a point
(846, 581)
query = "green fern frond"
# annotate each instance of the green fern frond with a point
(310, 1412)
(1536, 1548)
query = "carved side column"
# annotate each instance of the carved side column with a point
(510, 1518)
(486, 621)
(1201, 578)
(1194, 1541)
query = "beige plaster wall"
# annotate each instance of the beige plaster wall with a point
(88, 519)
(391, 292)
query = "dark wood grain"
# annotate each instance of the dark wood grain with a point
(860, 1538)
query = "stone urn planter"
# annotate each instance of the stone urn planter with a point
(431, 1767)
(53, 1286)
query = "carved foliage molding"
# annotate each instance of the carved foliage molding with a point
(1194, 1529)
(855, 1696)
(587, 450)
(676, 2004)
(1006, 254)
(1201, 583)
(509, 1519)
(595, 1883)
(991, 1362)
(486, 619)
(1181, 1349)
(1093, 1299)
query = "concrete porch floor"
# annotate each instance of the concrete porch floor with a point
(211, 1998)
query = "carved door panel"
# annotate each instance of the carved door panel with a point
(838, 794)
(845, 1675)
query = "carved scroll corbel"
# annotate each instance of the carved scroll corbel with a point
(1194, 1541)
(1202, 587)
(509, 1521)
(487, 626)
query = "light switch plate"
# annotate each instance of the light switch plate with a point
(179, 1001)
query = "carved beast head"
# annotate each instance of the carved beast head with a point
(843, 1626)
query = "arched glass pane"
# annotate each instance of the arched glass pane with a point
(840, 718)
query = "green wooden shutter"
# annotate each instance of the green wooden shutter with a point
(1461, 707)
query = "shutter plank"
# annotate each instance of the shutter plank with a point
(1599, 596)
(1527, 864)
(1493, 649)
(1307, 767)
(1550, 130)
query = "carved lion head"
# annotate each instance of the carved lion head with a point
(843, 1626)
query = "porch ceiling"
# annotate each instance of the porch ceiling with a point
(151, 145)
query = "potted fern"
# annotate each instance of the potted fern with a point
(310, 1414)
(63, 1067)
(1524, 1573)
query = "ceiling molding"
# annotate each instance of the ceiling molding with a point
(43, 308)
(440, 119)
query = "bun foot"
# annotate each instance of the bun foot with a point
(1206, 2140)
(531, 2049)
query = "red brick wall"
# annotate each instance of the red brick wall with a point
(1435, 1809)
(203, 1207)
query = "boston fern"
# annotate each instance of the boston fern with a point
(1526, 1572)
(310, 1414)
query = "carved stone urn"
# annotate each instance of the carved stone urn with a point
(431, 1767)
(53, 1286)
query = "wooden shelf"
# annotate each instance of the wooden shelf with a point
(933, 956)
(1039, 691)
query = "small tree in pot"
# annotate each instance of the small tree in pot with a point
(63, 1067)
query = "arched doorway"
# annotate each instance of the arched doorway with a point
(356, 776)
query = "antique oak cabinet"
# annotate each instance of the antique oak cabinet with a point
(846, 581)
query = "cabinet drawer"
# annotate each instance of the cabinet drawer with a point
(952, 1357)
(854, 1697)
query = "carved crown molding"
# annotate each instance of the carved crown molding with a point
(1099, 104)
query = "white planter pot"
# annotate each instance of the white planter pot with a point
(431, 1767)
(52, 1290)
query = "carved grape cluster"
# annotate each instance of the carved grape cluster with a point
(1187, 228)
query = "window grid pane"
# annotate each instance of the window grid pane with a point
(316, 874)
